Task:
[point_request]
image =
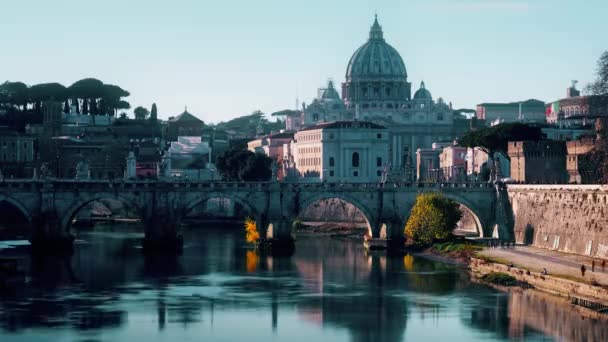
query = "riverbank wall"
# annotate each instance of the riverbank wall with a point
(545, 283)
(567, 218)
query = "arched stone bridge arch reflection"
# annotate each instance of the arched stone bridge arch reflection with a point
(49, 205)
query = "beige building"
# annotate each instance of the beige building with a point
(538, 162)
(341, 151)
(578, 168)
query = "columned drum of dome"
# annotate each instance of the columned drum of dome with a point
(376, 77)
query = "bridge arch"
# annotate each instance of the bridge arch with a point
(201, 199)
(470, 207)
(78, 204)
(307, 201)
(15, 203)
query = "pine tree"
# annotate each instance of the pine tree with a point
(154, 113)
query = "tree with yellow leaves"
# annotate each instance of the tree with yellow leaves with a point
(251, 231)
(433, 217)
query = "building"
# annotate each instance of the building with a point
(567, 133)
(327, 107)
(427, 162)
(453, 163)
(218, 141)
(17, 153)
(575, 109)
(522, 111)
(184, 124)
(273, 145)
(538, 162)
(190, 159)
(478, 168)
(577, 165)
(341, 151)
(376, 89)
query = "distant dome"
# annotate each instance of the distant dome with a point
(330, 92)
(375, 58)
(422, 93)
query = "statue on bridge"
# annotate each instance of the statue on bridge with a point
(164, 168)
(44, 171)
(82, 170)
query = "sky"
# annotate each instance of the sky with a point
(227, 58)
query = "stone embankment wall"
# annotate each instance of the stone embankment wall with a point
(546, 283)
(568, 218)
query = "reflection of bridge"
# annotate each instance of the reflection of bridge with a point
(51, 205)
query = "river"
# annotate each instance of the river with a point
(218, 290)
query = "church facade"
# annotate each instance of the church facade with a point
(376, 89)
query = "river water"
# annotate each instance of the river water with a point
(218, 290)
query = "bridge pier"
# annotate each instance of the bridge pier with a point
(49, 237)
(162, 235)
(276, 234)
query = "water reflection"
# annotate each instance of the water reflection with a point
(218, 289)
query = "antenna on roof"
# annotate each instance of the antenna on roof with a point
(297, 99)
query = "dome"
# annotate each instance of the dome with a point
(330, 92)
(422, 93)
(376, 58)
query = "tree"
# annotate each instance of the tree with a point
(141, 113)
(15, 94)
(111, 99)
(243, 165)
(596, 162)
(89, 90)
(433, 217)
(600, 85)
(154, 113)
(496, 139)
(46, 92)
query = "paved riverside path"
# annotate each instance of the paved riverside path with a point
(556, 263)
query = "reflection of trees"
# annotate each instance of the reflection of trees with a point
(57, 312)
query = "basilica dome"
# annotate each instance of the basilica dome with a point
(376, 58)
(422, 93)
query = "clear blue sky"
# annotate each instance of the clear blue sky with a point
(227, 58)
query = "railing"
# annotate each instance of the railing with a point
(79, 185)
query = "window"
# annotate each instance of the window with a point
(379, 135)
(331, 173)
(356, 174)
(440, 116)
(331, 136)
(379, 173)
(355, 159)
(331, 161)
(379, 161)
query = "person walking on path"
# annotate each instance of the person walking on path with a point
(583, 269)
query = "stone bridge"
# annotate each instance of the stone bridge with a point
(51, 205)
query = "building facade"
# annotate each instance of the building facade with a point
(577, 165)
(532, 111)
(538, 162)
(376, 89)
(184, 124)
(341, 151)
(453, 163)
(17, 153)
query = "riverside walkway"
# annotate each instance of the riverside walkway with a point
(557, 263)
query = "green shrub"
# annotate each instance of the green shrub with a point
(499, 278)
(433, 217)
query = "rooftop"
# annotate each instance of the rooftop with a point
(344, 124)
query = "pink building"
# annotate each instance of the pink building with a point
(453, 163)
